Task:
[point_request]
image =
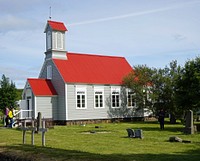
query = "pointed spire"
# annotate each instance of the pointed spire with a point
(50, 12)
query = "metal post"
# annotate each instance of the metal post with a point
(43, 133)
(24, 132)
(33, 132)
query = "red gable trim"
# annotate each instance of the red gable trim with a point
(93, 69)
(59, 26)
(42, 87)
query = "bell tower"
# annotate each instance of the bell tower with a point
(55, 40)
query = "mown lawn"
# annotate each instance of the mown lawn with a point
(109, 143)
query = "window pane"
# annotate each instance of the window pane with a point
(113, 98)
(133, 100)
(96, 101)
(78, 104)
(117, 100)
(113, 104)
(83, 101)
(78, 101)
(83, 104)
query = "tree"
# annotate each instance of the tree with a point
(164, 83)
(155, 88)
(139, 81)
(188, 86)
(8, 93)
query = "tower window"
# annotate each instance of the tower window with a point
(59, 39)
(48, 40)
(49, 72)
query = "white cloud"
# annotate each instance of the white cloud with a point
(11, 22)
(19, 74)
(135, 14)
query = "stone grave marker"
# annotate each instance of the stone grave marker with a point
(189, 127)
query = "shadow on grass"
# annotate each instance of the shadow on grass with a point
(168, 127)
(39, 153)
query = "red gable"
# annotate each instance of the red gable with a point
(42, 87)
(59, 26)
(93, 69)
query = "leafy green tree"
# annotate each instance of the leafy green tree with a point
(19, 94)
(164, 84)
(155, 88)
(8, 93)
(139, 81)
(188, 86)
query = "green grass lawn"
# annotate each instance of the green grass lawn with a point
(109, 143)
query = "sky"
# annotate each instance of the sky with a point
(145, 32)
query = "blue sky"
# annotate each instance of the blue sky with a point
(151, 32)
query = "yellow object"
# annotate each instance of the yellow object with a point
(10, 114)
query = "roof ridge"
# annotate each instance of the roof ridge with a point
(55, 21)
(38, 79)
(98, 55)
(55, 25)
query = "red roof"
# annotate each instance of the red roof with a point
(93, 69)
(59, 26)
(42, 87)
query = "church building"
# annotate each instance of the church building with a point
(77, 87)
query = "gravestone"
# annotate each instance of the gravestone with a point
(139, 134)
(39, 121)
(177, 139)
(135, 133)
(189, 127)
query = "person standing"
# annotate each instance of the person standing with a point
(161, 118)
(6, 117)
(11, 115)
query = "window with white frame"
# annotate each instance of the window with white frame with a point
(131, 99)
(81, 98)
(149, 93)
(98, 98)
(115, 98)
(49, 72)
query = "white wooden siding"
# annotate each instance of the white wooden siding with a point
(45, 105)
(96, 113)
(90, 112)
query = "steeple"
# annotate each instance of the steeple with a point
(55, 40)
